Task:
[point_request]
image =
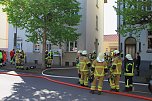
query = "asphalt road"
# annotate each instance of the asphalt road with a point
(16, 88)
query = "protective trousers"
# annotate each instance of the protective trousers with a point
(84, 78)
(114, 81)
(1, 61)
(128, 83)
(100, 83)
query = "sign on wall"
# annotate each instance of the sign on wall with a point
(57, 52)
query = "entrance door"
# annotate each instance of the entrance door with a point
(130, 47)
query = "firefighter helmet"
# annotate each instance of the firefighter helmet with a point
(100, 57)
(84, 52)
(79, 51)
(129, 57)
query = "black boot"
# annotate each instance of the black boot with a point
(92, 91)
(117, 90)
(126, 89)
(130, 89)
(99, 92)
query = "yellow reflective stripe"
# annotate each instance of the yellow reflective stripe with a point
(83, 68)
(97, 74)
(88, 62)
(129, 74)
(119, 63)
(100, 67)
(114, 64)
(133, 68)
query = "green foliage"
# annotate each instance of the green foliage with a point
(136, 15)
(55, 18)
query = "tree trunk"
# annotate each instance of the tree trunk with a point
(44, 49)
(60, 58)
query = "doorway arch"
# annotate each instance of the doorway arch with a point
(130, 46)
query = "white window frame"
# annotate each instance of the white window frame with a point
(74, 48)
(19, 45)
(48, 46)
(36, 47)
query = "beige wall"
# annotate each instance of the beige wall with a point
(110, 45)
(3, 29)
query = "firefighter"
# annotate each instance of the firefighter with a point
(129, 73)
(99, 68)
(46, 55)
(111, 75)
(18, 59)
(1, 58)
(93, 56)
(116, 70)
(84, 65)
(49, 59)
(12, 53)
(79, 54)
(22, 57)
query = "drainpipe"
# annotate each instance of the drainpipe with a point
(15, 38)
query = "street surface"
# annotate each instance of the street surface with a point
(16, 88)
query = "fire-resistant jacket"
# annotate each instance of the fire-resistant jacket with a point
(117, 62)
(129, 68)
(83, 63)
(99, 68)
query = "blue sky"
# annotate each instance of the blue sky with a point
(110, 18)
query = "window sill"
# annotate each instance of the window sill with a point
(149, 51)
(36, 51)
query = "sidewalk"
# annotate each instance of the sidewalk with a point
(11, 67)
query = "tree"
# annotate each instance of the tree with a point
(135, 14)
(52, 20)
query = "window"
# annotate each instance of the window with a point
(48, 46)
(19, 43)
(36, 47)
(96, 22)
(105, 1)
(150, 41)
(72, 46)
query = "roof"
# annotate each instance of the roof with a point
(112, 37)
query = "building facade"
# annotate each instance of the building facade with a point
(110, 42)
(132, 44)
(3, 30)
(91, 29)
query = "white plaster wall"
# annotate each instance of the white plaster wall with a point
(82, 26)
(3, 29)
(91, 32)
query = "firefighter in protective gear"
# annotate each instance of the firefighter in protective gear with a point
(93, 56)
(79, 54)
(115, 71)
(49, 59)
(99, 67)
(22, 57)
(129, 73)
(18, 60)
(84, 65)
